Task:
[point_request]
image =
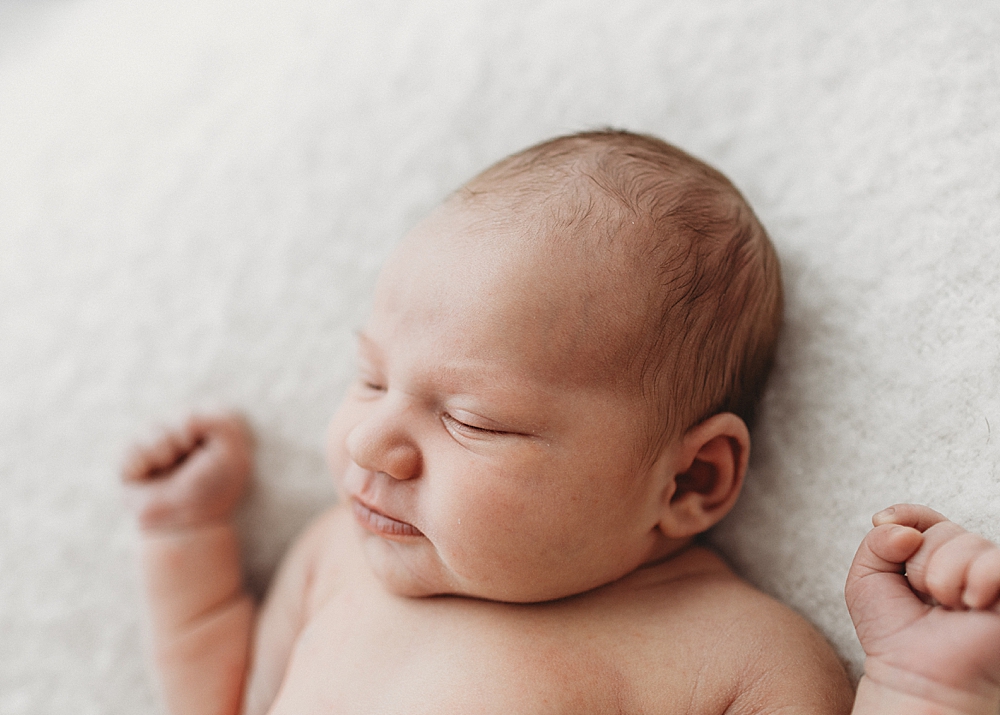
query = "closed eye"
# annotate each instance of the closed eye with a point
(368, 385)
(471, 429)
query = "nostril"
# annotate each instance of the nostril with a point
(383, 447)
(403, 462)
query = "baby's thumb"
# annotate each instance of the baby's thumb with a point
(878, 595)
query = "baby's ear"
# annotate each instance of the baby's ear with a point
(706, 476)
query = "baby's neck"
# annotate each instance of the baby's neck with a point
(691, 558)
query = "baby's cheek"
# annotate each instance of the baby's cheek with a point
(337, 459)
(497, 522)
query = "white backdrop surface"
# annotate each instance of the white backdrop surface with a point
(195, 198)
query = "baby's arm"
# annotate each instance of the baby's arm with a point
(184, 490)
(923, 594)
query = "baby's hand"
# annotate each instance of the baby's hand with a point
(192, 476)
(924, 595)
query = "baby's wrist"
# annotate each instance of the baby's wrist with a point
(887, 690)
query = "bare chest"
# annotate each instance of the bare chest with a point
(367, 652)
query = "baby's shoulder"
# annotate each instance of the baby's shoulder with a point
(739, 649)
(696, 587)
(319, 561)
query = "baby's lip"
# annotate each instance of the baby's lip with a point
(381, 524)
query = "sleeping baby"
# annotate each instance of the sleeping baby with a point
(552, 404)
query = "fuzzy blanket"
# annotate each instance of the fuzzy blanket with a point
(195, 197)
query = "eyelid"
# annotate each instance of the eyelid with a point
(467, 427)
(475, 424)
(369, 378)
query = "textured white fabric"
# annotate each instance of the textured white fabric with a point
(195, 197)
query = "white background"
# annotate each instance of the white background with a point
(195, 197)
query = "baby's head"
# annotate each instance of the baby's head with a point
(558, 371)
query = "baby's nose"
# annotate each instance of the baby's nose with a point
(381, 444)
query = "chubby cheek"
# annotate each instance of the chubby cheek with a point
(506, 531)
(337, 458)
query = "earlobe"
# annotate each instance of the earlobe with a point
(707, 477)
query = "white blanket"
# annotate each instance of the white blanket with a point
(195, 197)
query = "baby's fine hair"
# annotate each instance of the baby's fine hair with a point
(709, 337)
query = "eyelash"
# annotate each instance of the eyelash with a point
(373, 386)
(471, 428)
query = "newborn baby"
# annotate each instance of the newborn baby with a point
(552, 403)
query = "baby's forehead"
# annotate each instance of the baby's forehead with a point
(570, 285)
(587, 248)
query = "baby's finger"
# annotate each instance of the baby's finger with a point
(135, 467)
(203, 425)
(948, 567)
(232, 427)
(184, 440)
(878, 597)
(982, 588)
(163, 453)
(159, 455)
(886, 548)
(915, 516)
(918, 565)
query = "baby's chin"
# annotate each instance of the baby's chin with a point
(414, 570)
(406, 569)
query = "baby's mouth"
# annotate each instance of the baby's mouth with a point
(380, 524)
